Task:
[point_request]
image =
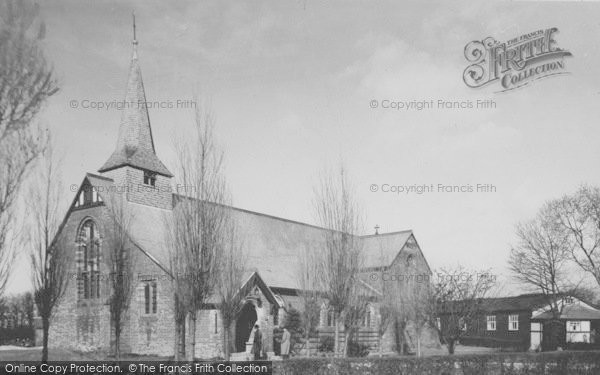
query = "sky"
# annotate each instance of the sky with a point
(292, 83)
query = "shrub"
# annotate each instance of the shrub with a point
(557, 363)
(17, 335)
(356, 349)
(326, 344)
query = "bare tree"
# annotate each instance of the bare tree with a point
(307, 274)
(232, 263)
(26, 82)
(385, 318)
(120, 263)
(456, 299)
(579, 216)
(390, 304)
(197, 228)
(540, 259)
(49, 256)
(353, 316)
(337, 210)
(409, 305)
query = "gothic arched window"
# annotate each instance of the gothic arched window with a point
(88, 261)
(368, 318)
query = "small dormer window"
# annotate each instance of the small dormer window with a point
(569, 300)
(149, 178)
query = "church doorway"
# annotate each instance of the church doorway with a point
(244, 325)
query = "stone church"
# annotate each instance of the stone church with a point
(82, 320)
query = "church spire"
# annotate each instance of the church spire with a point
(135, 145)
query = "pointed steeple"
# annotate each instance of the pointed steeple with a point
(135, 146)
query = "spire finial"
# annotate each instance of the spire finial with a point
(135, 42)
(134, 36)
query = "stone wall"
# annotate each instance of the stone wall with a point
(80, 325)
(131, 180)
(84, 325)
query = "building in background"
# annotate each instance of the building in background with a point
(523, 323)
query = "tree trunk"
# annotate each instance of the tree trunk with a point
(118, 344)
(307, 339)
(451, 344)
(380, 345)
(226, 351)
(45, 329)
(177, 341)
(336, 337)
(347, 338)
(117, 324)
(193, 336)
(399, 333)
(182, 339)
(418, 345)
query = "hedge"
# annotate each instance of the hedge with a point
(9, 336)
(556, 363)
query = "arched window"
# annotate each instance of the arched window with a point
(88, 261)
(368, 317)
(331, 321)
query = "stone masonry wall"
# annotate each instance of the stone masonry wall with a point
(131, 180)
(84, 325)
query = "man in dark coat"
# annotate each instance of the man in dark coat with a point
(257, 343)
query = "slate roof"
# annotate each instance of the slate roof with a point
(515, 303)
(575, 311)
(272, 244)
(135, 146)
(382, 249)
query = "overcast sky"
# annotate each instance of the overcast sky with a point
(291, 84)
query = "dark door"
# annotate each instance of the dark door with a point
(243, 326)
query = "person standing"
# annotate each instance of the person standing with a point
(285, 344)
(257, 343)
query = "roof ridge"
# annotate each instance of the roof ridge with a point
(89, 174)
(387, 233)
(290, 220)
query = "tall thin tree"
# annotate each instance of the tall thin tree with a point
(307, 274)
(26, 82)
(231, 273)
(120, 263)
(337, 210)
(49, 256)
(198, 222)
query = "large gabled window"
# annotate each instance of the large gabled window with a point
(88, 261)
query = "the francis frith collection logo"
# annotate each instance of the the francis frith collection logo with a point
(514, 63)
